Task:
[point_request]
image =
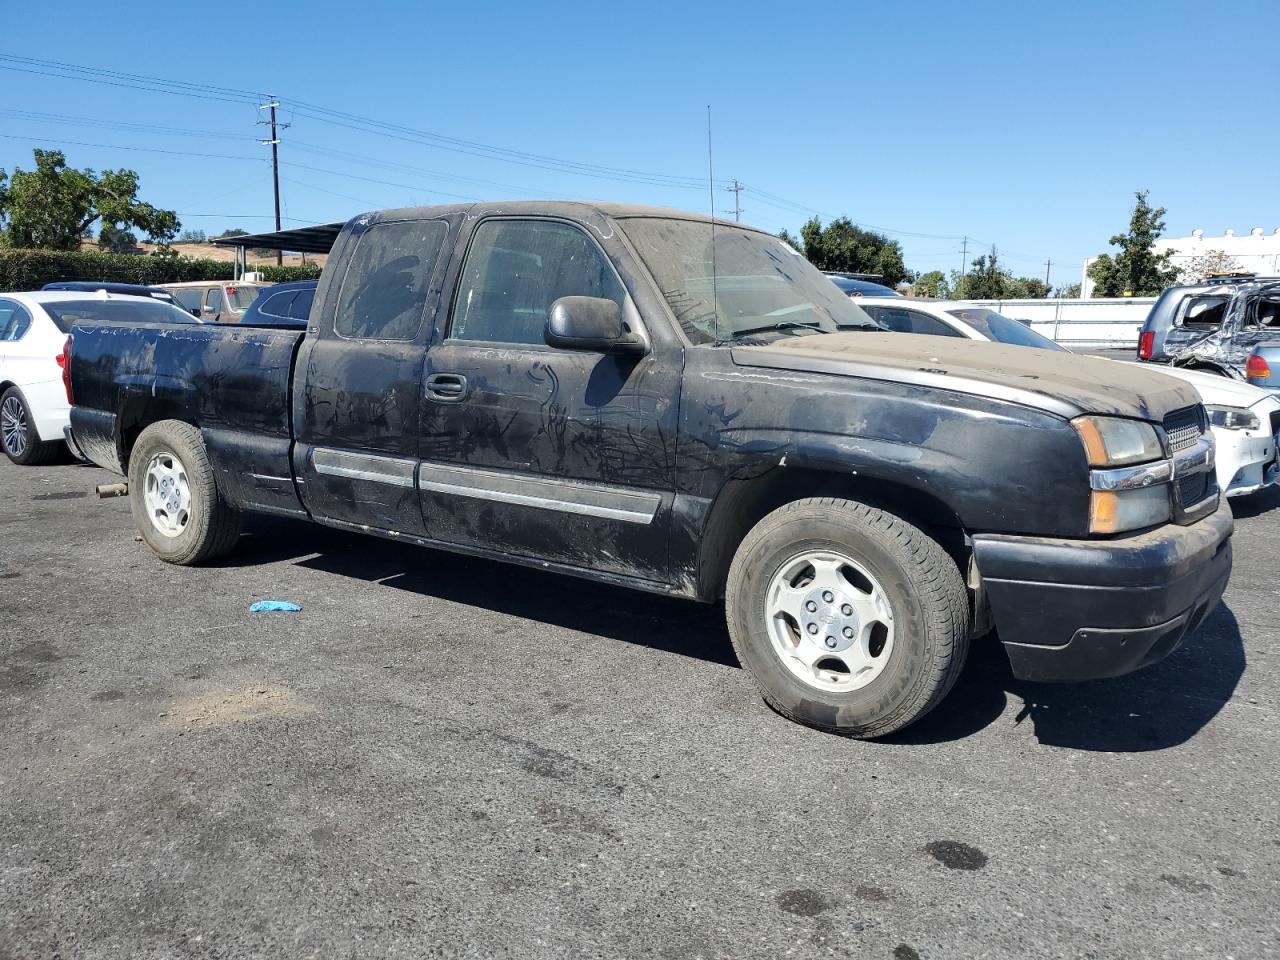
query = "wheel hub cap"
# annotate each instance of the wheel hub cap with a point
(13, 427)
(167, 494)
(830, 621)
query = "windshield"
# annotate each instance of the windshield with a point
(997, 327)
(241, 297)
(761, 286)
(67, 313)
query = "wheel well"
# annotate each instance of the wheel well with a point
(744, 502)
(141, 412)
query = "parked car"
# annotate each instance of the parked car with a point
(127, 289)
(1213, 326)
(33, 329)
(571, 387)
(855, 286)
(216, 301)
(1245, 420)
(285, 304)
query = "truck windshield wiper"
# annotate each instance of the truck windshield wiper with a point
(779, 326)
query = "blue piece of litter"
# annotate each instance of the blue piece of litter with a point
(274, 606)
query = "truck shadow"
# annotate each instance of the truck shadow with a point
(1161, 706)
(661, 623)
(1154, 709)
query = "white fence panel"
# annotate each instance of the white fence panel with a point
(1080, 323)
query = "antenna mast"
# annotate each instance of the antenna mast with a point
(711, 190)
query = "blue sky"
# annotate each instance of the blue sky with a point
(1024, 124)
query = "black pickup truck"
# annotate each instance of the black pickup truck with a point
(656, 400)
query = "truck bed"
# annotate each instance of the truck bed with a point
(233, 381)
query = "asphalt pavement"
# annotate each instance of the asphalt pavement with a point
(451, 757)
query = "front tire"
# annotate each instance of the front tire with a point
(174, 497)
(18, 435)
(848, 618)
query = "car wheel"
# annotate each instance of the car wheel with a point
(174, 496)
(848, 618)
(18, 435)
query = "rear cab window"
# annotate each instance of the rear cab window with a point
(384, 291)
(1204, 312)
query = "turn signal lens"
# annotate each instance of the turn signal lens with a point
(1257, 369)
(1112, 511)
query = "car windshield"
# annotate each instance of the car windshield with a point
(242, 297)
(997, 327)
(67, 313)
(760, 286)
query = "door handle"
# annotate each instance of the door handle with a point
(446, 387)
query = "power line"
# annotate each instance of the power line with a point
(112, 146)
(736, 189)
(70, 120)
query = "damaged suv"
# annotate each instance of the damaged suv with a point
(668, 403)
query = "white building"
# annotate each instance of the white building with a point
(1254, 252)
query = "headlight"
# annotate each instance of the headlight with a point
(1233, 418)
(1113, 442)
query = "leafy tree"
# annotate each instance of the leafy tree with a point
(53, 206)
(1070, 292)
(793, 242)
(932, 284)
(1198, 269)
(1137, 270)
(985, 279)
(192, 236)
(1025, 288)
(233, 232)
(842, 245)
(116, 240)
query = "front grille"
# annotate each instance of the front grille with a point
(1193, 488)
(1183, 428)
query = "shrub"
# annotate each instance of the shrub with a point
(32, 269)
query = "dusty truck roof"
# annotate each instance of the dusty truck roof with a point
(576, 209)
(1067, 384)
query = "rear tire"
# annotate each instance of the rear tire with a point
(848, 618)
(175, 500)
(18, 435)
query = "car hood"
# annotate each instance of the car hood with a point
(1062, 383)
(1216, 389)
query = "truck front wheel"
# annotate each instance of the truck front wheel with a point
(848, 618)
(174, 496)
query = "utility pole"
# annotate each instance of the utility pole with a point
(736, 189)
(275, 163)
(964, 262)
(1047, 265)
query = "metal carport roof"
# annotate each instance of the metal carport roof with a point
(317, 239)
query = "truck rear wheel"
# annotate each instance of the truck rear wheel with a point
(174, 496)
(848, 618)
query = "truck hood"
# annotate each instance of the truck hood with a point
(1065, 384)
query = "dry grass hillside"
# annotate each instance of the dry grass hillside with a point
(207, 251)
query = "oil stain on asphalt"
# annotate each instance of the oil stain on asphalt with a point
(805, 903)
(955, 855)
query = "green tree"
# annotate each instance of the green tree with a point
(932, 284)
(985, 279)
(1025, 288)
(1137, 270)
(53, 206)
(116, 240)
(1070, 292)
(192, 236)
(793, 242)
(843, 245)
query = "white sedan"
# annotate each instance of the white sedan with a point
(1245, 419)
(33, 331)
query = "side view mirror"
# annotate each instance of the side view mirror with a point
(592, 324)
